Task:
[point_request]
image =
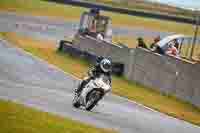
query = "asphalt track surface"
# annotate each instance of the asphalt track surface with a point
(56, 28)
(28, 80)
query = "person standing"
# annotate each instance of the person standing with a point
(157, 39)
(172, 50)
(141, 43)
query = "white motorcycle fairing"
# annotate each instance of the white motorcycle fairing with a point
(96, 83)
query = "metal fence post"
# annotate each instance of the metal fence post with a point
(195, 35)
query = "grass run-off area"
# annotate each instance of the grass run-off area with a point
(43, 8)
(130, 41)
(146, 6)
(78, 67)
(16, 118)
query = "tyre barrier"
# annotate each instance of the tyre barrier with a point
(117, 68)
(66, 47)
(90, 56)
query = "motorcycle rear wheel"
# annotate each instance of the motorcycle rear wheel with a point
(92, 99)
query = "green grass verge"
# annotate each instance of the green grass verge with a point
(38, 7)
(130, 41)
(164, 103)
(16, 118)
(146, 7)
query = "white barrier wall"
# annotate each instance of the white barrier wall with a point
(167, 74)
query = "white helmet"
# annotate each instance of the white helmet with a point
(105, 65)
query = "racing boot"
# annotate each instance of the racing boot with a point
(80, 87)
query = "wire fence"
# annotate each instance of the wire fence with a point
(185, 49)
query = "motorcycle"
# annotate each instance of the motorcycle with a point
(92, 92)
